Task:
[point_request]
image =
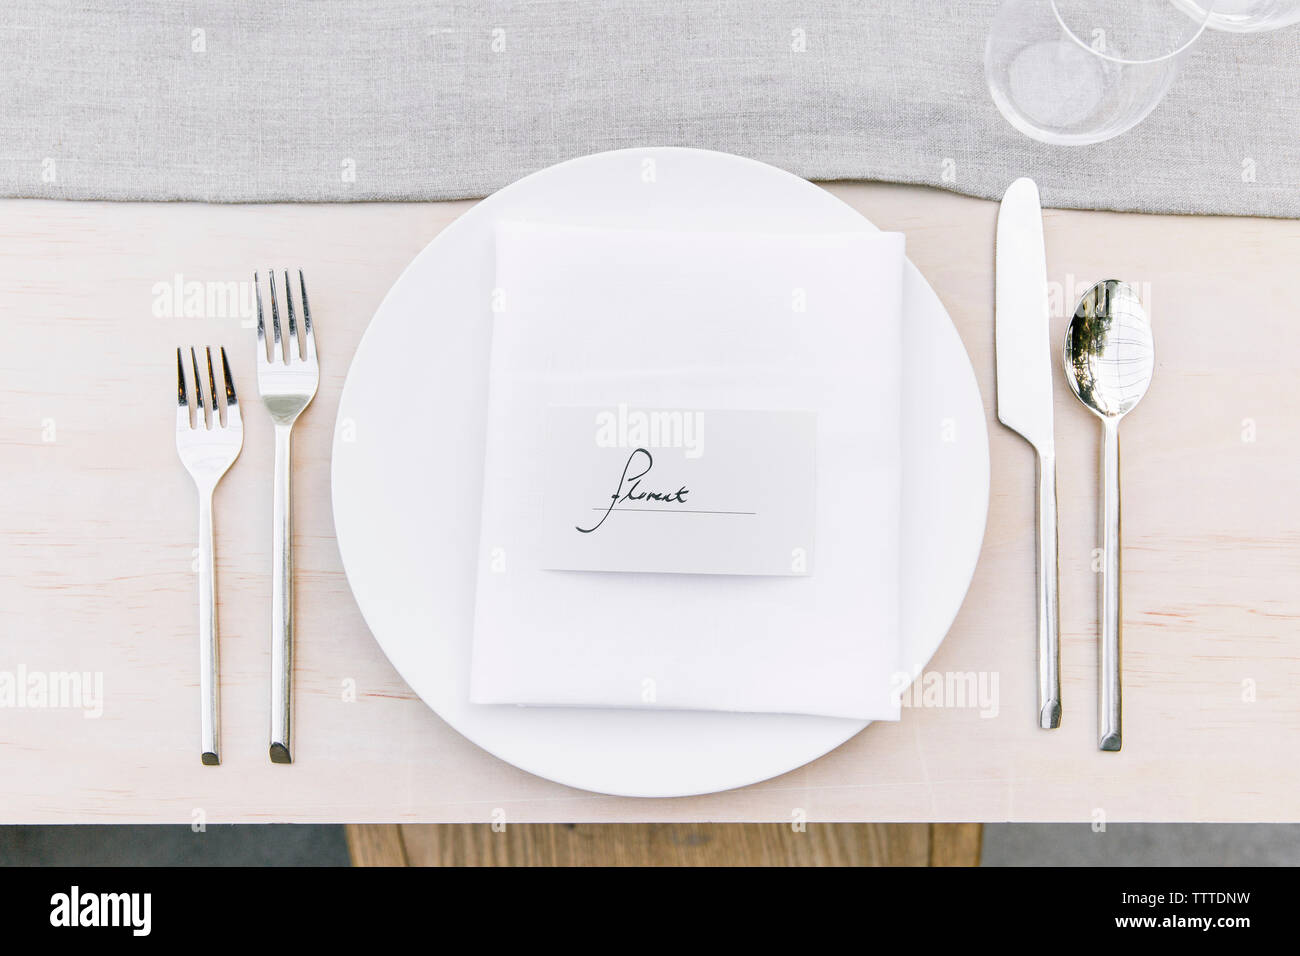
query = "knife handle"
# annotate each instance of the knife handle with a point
(1049, 609)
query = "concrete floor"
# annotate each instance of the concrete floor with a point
(247, 845)
(1142, 844)
(1005, 844)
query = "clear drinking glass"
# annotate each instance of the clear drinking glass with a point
(1073, 72)
(1247, 16)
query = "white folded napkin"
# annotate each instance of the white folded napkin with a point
(599, 317)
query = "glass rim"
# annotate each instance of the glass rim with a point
(1207, 10)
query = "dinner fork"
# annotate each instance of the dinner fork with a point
(287, 380)
(207, 446)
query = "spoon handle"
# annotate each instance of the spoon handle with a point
(1111, 604)
(1049, 614)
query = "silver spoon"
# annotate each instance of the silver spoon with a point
(1109, 358)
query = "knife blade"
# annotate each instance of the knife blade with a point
(1024, 385)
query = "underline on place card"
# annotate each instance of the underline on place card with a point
(680, 511)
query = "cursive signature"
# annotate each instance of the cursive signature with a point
(632, 482)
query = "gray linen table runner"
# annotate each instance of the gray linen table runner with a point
(401, 100)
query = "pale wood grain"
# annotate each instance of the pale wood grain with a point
(96, 532)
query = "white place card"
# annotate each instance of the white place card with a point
(679, 491)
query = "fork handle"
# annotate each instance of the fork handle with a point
(282, 601)
(209, 712)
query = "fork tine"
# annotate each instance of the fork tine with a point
(306, 320)
(261, 323)
(212, 391)
(277, 354)
(294, 354)
(231, 400)
(181, 397)
(200, 418)
(233, 420)
(182, 393)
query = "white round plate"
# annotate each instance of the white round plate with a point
(408, 469)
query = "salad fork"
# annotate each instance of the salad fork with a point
(286, 379)
(207, 446)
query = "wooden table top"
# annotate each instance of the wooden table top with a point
(97, 535)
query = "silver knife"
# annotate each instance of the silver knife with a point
(1024, 373)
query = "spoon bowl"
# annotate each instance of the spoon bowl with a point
(1109, 360)
(1109, 352)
